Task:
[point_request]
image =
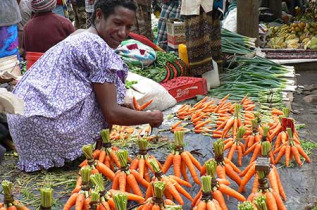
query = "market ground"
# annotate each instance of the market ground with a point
(300, 183)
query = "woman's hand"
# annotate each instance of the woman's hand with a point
(157, 118)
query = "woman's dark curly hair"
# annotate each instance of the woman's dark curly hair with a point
(108, 7)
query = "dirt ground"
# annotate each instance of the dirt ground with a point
(300, 183)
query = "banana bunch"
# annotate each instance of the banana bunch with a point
(312, 43)
(292, 43)
(277, 43)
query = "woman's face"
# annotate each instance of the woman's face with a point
(116, 27)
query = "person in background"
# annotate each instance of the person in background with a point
(26, 13)
(76, 89)
(9, 18)
(143, 24)
(46, 28)
(59, 9)
(203, 36)
(170, 10)
(79, 13)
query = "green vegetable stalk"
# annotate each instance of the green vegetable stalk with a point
(46, 198)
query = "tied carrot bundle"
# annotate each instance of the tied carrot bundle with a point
(156, 201)
(81, 199)
(256, 148)
(9, 202)
(232, 123)
(139, 107)
(181, 160)
(273, 174)
(280, 125)
(173, 185)
(141, 161)
(247, 205)
(235, 144)
(224, 166)
(205, 200)
(106, 198)
(46, 198)
(273, 199)
(127, 180)
(291, 149)
(121, 201)
(255, 135)
(218, 188)
(94, 165)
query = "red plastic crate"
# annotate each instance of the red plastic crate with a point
(182, 88)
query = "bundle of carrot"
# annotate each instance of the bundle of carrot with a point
(247, 103)
(106, 198)
(141, 161)
(291, 148)
(156, 201)
(82, 198)
(235, 144)
(95, 165)
(277, 127)
(256, 148)
(258, 203)
(46, 198)
(139, 107)
(217, 188)
(173, 185)
(224, 166)
(121, 132)
(107, 154)
(255, 135)
(273, 199)
(9, 202)
(206, 201)
(181, 159)
(273, 175)
(233, 123)
(127, 180)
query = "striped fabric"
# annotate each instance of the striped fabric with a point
(203, 41)
(43, 5)
(169, 11)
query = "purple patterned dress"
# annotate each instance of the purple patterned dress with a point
(61, 111)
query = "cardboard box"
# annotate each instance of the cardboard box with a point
(175, 33)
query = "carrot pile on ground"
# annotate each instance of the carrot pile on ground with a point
(9, 202)
(181, 160)
(156, 201)
(224, 166)
(173, 185)
(121, 132)
(141, 161)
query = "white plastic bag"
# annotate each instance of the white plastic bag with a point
(147, 89)
(230, 22)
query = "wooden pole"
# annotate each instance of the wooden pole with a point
(248, 18)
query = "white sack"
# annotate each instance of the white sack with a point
(147, 89)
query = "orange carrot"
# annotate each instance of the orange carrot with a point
(247, 177)
(177, 165)
(136, 104)
(131, 196)
(194, 160)
(122, 181)
(80, 201)
(134, 164)
(231, 173)
(219, 197)
(279, 183)
(181, 190)
(273, 181)
(168, 163)
(134, 185)
(270, 201)
(184, 172)
(145, 105)
(302, 153)
(180, 181)
(202, 205)
(190, 166)
(139, 179)
(115, 183)
(227, 190)
(171, 188)
(279, 202)
(102, 168)
(71, 201)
